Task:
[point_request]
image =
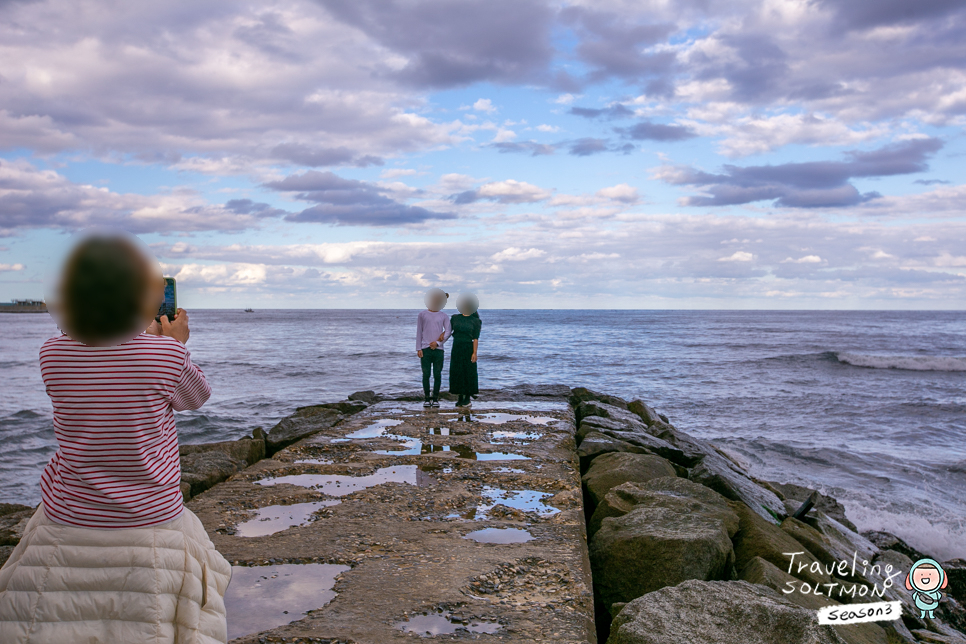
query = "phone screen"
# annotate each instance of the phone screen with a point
(170, 305)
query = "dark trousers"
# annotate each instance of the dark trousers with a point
(432, 359)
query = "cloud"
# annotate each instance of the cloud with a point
(931, 182)
(738, 256)
(348, 202)
(616, 111)
(446, 43)
(804, 185)
(32, 198)
(11, 267)
(394, 173)
(589, 145)
(646, 130)
(565, 99)
(807, 259)
(514, 254)
(621, 192)
(532, 148)
(543, 127)
(505, 192)
(484, 105)
(317, 157)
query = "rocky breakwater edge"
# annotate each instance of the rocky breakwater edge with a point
(686, 546)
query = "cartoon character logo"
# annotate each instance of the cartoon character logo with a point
(925, 579)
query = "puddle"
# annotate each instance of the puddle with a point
(515, 436)
(524, 500)
(263, 597)
(500, 418)
(508, 470)
(439, 431)
(275, 518)
(444, 623)
(500, 535)
(343, 484)
(338, 440)
(462, 451)
(500, 456)
(375, 429)
(315, 461)
(410, 446)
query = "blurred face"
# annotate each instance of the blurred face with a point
(926, 577)
(435, 300)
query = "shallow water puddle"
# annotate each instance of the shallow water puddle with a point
(497, 418)
(375, 429)
(444, 623)
(524, 500)
(500, 456)
(500, 535)
(515, 436)
(315, 461)
(275, 518)
(263, 597)
(343, 484)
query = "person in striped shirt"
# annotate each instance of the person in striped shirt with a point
(115, 382)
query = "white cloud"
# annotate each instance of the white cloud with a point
(11, 267)
(484, 105)
(543, 127)
(512, 191)
(807, 259)
(514, 254)
(621, 192)
(565, 99)
(738, 256)
(503, 135)
(394, 173)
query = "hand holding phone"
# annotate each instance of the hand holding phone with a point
(176, 328)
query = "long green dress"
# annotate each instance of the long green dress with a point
(463, 378)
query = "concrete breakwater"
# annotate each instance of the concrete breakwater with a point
(376, 520)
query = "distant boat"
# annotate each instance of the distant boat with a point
(249, 310)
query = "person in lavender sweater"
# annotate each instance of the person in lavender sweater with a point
(432, 330)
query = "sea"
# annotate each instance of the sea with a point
(869, 407)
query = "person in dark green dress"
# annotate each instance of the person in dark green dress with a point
(466, 325)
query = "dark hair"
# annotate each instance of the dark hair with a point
(102, 289)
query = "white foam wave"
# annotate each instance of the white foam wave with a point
(910, 363)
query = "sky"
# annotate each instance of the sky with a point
(669, 154)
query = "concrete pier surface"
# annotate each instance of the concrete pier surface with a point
(401, 523)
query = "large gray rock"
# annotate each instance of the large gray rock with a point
(13, 520)
(830, 544)
(247, 450)
(299, 425)
(889, 541)
(544, 390)
(651, 443)
(653, 546)
(723, 477)
(582, 394)
(757, 537)
(368, 396)
(759, 571)
(719, 612)
(610, 470)
(663, 492)
(595, 444)
(647, 414)
(597, 408)
(347, 407)
(956, 571)
(600, 424)
(203, 470)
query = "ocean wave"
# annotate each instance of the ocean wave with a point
(908, 363)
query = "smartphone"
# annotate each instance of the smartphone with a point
(170, 305)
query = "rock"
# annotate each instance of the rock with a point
(595, 444)
(600, 424)
(185, 491)
(722, 477)
(582, 394)
(610, 470)
(889, 541)
(11, 508)
(5, 552)
(655, 546)
(347, 407)
(544, 390)
(651, 443)
(759, 571)
(13, 522)
(663, 492)
(299, 425)
(956, 571)
(722, 612)
(827, 504)
(647, 414)
(898, 592)
(830, 545)
(695, 450)
(757, 537)
(203, 470)
(597, 408)
(953, 613)
(939, 638)
(247, 450)
(368, 396)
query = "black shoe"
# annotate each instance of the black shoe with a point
(427, 402)
(435, 403)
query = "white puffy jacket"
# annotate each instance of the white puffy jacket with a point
(160, 585)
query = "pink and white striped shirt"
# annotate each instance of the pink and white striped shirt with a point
(117, 463)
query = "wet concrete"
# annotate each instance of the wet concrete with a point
(404, 528)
